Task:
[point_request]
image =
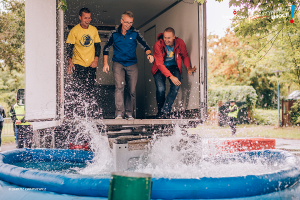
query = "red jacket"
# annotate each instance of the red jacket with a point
(160, 54)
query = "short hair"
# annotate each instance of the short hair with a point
(170, 29)
(85, 10)
(128, 13)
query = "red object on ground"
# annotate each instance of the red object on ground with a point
(85, 146)
(246, 144)
(292, 21)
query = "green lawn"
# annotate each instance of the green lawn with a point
(8, 139)
(248, 131)
(8, 129)
(265, 117)
(269, 132)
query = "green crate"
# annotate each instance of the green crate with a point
(130, 186)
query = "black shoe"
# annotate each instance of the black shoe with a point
(166, 116)
(159, 115)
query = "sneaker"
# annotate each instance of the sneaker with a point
(129, 117)
(159, 115)
(119, 117)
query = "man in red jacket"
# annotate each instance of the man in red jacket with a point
(168, 52)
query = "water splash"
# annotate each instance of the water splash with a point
(102, 161)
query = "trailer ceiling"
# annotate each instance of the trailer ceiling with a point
(108, 12)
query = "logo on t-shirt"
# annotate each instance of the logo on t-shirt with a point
(86, 40)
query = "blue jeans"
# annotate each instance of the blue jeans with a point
(164, 104)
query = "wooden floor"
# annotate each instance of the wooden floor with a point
(146, 121)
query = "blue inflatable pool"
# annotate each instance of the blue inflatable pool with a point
(204, 188)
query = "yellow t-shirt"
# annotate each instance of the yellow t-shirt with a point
(83, 40)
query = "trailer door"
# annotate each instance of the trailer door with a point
(40, 59)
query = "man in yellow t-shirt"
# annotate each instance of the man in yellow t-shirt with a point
(83, 51)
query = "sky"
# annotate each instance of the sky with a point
(218, 17)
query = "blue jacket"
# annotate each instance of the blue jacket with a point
(125, 45)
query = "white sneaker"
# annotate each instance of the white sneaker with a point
(119, 117)
(129, 117)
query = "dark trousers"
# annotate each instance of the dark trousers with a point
(24, 136)
(1, 127)
(122, 75)
(164, 104)
(232, 124)
(80, 99)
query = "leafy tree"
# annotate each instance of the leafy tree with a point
(268, 21)
(230, 63)
(263, 41)
(12, 50)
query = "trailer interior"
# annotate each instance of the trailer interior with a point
(45, 94)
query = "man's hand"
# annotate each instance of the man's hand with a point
(106, 68)
(95, 62)
(71, 66)
(191, 70)
(18, 122)
(175, 80)
(150, 58)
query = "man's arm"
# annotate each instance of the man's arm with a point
(70, 50)
(142, 42)
(106, 48)
(4, 114)
(97, 55)
(159, 61)
(13, 114)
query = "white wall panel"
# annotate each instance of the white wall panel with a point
(183, 17)
(40, 59)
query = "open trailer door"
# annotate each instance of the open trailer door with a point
(40, 60)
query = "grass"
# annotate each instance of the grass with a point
(8, 129)
(265, 117)
(7, 140)
(249, 131)
(264, 125)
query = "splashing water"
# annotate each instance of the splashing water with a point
(180, 155)
(102, 161)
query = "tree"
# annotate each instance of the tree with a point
(230, 62)
(12, 50)
(269, 22)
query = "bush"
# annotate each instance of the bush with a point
(265, 117)
(238, 93)
(295, 112)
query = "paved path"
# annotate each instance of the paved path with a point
(8, 146)
(289, 145)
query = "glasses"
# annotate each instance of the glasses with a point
(129, 23)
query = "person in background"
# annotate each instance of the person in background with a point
(2, 116)
(124, 41)
(14, 122)
(24, 130)
(233, 111)
(168, 52)
(83, 51)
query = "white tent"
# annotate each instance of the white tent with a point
(294, 95)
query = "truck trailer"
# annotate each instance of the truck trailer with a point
(47, 82)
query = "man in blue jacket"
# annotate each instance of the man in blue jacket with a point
(124, 41)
